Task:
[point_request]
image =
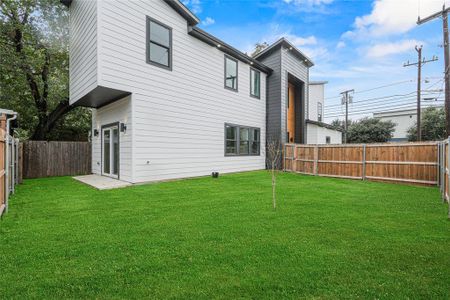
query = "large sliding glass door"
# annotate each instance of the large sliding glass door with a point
(110, 151)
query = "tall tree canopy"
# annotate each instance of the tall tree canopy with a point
(370, 130)
(34, 64)
(367, 130)
(432, 125)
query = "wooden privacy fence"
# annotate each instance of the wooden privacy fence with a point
(411, 163)
(44, 159)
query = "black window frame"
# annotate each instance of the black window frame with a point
(328, 140)
(148, 41)
(251, 83)
(225, 73)
(319, 111)
(251, 140)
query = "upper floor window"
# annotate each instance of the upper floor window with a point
(255, 83)
(159, 44)
(231, 73)
(319, 112)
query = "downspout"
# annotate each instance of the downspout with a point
(7, 160)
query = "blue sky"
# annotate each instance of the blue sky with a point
(355, 44)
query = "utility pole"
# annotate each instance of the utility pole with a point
(444, 15)
(346, 99)
(419, 64)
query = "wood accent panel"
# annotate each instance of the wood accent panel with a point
(291, 113)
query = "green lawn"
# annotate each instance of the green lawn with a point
(220, 238)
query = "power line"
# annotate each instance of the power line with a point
(376, 88)
(369, 111)
(377, 104)
(387, 105)
(444, 14)
(377, 99)
(420, 62)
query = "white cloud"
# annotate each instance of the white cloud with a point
(385, 49)
(308, 2)
(340, 45)
(393, 17)
(208, 21)
(310, 6)
(193, 5)
(299, 41)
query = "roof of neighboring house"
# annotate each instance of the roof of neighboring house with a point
(324, 125)
(318, 82)
(284, 42)
(206, 37)
(399, 112)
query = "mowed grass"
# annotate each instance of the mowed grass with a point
(220, 238)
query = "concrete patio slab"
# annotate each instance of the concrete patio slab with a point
(102, 182)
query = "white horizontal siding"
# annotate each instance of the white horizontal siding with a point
(83, 48)
(119, 111)
(316, 95)
(317, 135)
(178, 115)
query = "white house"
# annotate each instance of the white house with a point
(403, 120)
(170, 100)
(318, 131)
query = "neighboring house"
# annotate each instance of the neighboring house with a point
(403, 120)
(172, 101)
(318, 131)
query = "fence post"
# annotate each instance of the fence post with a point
(364, 163)
(316, 160)
(295, 157)
(447, 167)
(439, 161)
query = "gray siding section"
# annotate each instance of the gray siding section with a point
(283, 62)
(273, 106)
(293, 65)
(83, 48)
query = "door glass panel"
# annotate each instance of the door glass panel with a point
(115, 144)
(106, 151)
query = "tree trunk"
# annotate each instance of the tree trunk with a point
(273, 187)
(46, 124)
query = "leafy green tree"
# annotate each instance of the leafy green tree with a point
(339, 124)
(259, 47)
(34, 64)
(432, 123)
(370, 130)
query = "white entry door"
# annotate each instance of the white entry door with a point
(110, 151)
